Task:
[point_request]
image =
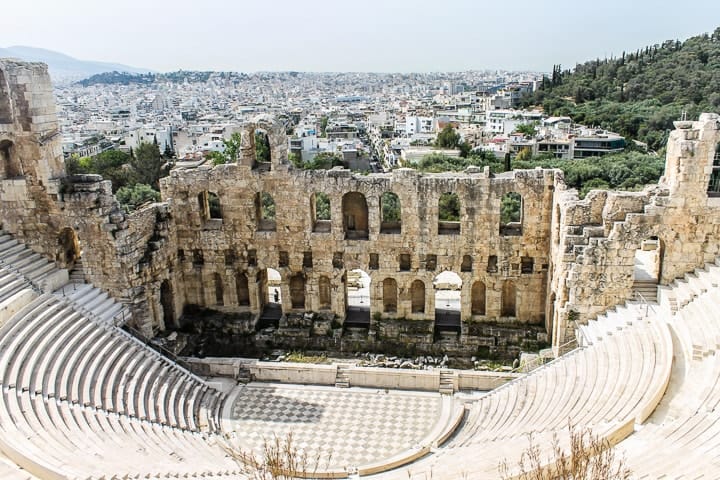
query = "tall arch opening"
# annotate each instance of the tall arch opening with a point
(219, 290)
(355, 216)
(167, 300)
(268, 285)
(647, 268)
(449, 214)
(511, 214)
(324, 293)
(447, 305)
(509, 299)
(9, 163)
(417, 297)
(478, 298)
(320, 208)
(297, 291)
(263, 154)
(390, 295)
(265, 212)
(69, 248)
(390, 213)
(357, 299)
(242, 290)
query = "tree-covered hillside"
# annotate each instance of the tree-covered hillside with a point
(640, 93)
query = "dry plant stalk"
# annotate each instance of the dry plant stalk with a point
(281, 460)
(590, 458)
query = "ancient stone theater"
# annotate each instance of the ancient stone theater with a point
(623, 284)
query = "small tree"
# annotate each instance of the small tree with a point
(148, 165)
(132, 197)
(448, 138)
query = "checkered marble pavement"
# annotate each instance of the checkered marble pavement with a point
(356, 426)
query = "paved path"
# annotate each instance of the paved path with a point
(357, 426)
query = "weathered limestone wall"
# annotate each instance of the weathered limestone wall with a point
(241, 231)
(595, 239)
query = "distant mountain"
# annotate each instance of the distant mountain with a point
(64, 67)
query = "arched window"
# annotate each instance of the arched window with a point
(478, 298)
(449, 214)
(243, 293)
(390, 295)
(168, 303)
(70, 247)
(219, 297)
(9, 164)
(297, 291)
(417, 294)
(511, 214)
(390, 213)
(509, 299)
(355, 216)
(320, 207)
(265, 212)
(214, 210)
(324, 293)
(262, 149)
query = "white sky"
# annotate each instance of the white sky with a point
(341, 35)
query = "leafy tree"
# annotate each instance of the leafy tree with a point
(510, 208)
(262, 147)
(132, 197)
(323, 125)
(322, 206)
(448, 138)
(390, 207)
(449, 208)
(529, 130)
(268, 206)
(148, 165)
(324, 161)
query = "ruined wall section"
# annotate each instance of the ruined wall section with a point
(595, 239)
(31, 162)
(239, 243)
(129, 255)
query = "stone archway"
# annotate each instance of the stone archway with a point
(70, 252)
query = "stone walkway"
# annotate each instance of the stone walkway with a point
(354, 426)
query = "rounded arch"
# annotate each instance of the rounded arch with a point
(511, 214)
(242, 290)
(219, 290)
(509, 299)
(265, 212)
(297, 291)
(390, 213)
(320, 212)
(167, 301)
(448, 298)
(357, 298)
(355, 216)
(477, 294)
(10, 166)
(417, 296)
(449, 214)
(324, 293)
(390, 295)
(69, 247)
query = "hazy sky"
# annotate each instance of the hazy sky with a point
(340, 35)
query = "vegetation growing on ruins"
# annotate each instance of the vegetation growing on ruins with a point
(321, 161)
(623, 171)
(231, 152)
(135, 176)
(638, 94)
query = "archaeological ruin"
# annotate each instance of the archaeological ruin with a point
(212, 244)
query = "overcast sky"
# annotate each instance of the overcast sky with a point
(342, 35)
